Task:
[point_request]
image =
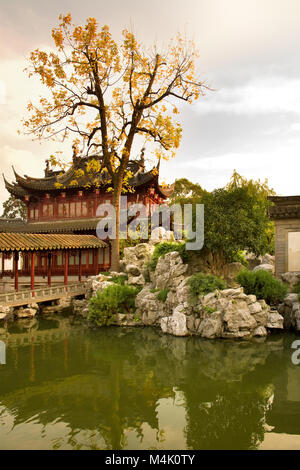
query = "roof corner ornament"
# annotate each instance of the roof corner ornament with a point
(47, 168)
(142, 159)
(75, 152)
(158, 163)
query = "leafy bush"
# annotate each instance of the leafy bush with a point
(262, 284)
(240, 258)
(162, 295)
(296, 288)
(120, 280)
(111, 300)
(201, 284)
(163, 248)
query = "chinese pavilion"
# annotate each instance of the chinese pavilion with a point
(65, 202)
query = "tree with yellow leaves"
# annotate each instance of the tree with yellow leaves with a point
(105, 94)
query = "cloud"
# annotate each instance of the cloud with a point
(277, 165)
(2, 92)
(260, 96)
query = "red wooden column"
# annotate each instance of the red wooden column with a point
(80, 267)
(49, 265)
(16, 270)
(2, 265)
(32, 272)
(66, 267)
(95, 261)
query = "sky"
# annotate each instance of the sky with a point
(249, 55)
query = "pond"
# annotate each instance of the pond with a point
(66, 387)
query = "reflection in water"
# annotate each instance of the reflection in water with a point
(66, 387)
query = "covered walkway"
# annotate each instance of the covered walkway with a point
(49, 247)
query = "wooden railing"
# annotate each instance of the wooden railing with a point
(41, 294)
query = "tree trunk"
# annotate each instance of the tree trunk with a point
(115, 244)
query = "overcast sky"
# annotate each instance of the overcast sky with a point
(249, 53)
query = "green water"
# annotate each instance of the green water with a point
(66, 387)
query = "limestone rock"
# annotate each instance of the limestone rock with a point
(290, 299)
(96, 284)
(274, 320)
(5, 312)
(289, 309)
(139, 255)
(251, 299)
(261, 317)
(169, 271)
(136, 280)
(231, 270)
(81, 307)
(148, 307)
(260, 331)
(190, 323)
(160, 234)
(133, 270)
(238, 317)
(211, 326)
(64, 302)
(252, 260)
(25, 312)
(291, 278)
(268, 259)
(175, 324)
(255, 308)
(265, 267)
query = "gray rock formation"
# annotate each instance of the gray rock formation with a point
(166, 302)
(290, 310)
(135, 262)
(175, 324)
(160, 234)
(231, 270)
(291, 278)
(221, 314)
(265, 267)
(28, 311)
(268, 259)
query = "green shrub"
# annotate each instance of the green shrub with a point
(111, 300)
(120, 280)
(262, 284)
(240, 258)
(201, 284)
(162, 295)
(163, 248)
(296, 288)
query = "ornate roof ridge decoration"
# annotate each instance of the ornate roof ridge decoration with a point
(14, 189)
(25, 185)
(284, 207)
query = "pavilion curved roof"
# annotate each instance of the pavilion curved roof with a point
(75, 179)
